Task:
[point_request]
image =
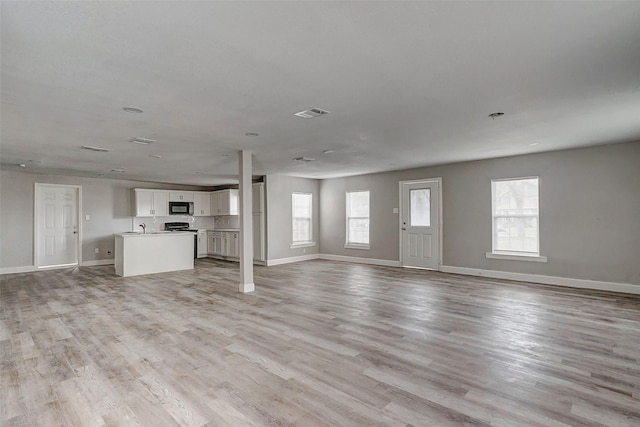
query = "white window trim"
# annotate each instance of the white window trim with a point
(509, 255)
(361, 246)
(515, 256)
(307, 243)
(301, 245)
(354, 245)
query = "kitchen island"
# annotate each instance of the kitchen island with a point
(155, 252)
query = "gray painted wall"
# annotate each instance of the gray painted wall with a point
(589, 212)
(108, 201)
(278, 193)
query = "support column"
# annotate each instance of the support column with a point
(246, 223)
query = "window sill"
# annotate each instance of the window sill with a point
(302, 245)
(357, 246)
(511, 256)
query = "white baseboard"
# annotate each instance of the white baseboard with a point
(95, 262)
(359, 260)
(14, 270)
(546, 280)
(279, 261)
(246, 287)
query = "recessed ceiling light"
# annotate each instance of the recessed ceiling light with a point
(304, 159)
(251, 134)
(535, 143)
(155, 156)
(98, 149)
(311, 113)
(328, 152)
(118, 170)
(22, 165)
(143, 141)
(495, 115)
(133, 110)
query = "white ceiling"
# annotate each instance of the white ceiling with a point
(407, 84)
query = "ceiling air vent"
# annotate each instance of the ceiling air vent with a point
(98, 149)
(303, 159)
(143, 141)
(311, 113)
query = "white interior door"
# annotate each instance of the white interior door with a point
(56, 228)
(420, 224)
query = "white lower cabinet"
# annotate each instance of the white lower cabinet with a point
(223, 244)
(233, 245)
(203, 249)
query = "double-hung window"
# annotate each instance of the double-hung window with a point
(357, 220)
(301, 215)
(515, 218)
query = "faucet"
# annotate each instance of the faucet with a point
(144, 228)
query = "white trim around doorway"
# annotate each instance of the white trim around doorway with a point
(36, 206)
(437, 180)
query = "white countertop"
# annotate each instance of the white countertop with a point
(152, 233)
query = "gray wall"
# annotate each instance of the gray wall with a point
(278, 194)
(108, 201)
(589, 212)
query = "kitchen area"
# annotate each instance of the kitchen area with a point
(172, 228)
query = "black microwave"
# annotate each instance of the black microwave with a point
(180, 208)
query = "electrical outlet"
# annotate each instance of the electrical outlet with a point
(97, 250)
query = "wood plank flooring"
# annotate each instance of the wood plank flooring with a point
(319, 343)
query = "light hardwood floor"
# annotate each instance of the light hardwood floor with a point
(318, 343)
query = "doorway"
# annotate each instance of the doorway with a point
(56, 225)
(420, 223)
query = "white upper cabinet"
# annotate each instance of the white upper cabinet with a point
(224, 202)
(181, 196)
(151, 202)
(202, 204)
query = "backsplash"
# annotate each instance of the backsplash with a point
(227, 221)
(200, 222)
(157, 223)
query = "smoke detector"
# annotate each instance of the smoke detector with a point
(311, 113)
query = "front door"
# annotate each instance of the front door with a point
(56, 225)
(420, 224)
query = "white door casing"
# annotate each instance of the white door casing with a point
(420, 224)
(56, 225)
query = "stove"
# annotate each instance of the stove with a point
(184, 226)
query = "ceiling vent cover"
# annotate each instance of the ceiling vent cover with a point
(143, 141)
(311, 113)
(98, 149)
(304, 159)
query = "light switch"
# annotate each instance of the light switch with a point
(87, 217)
(395, 210)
